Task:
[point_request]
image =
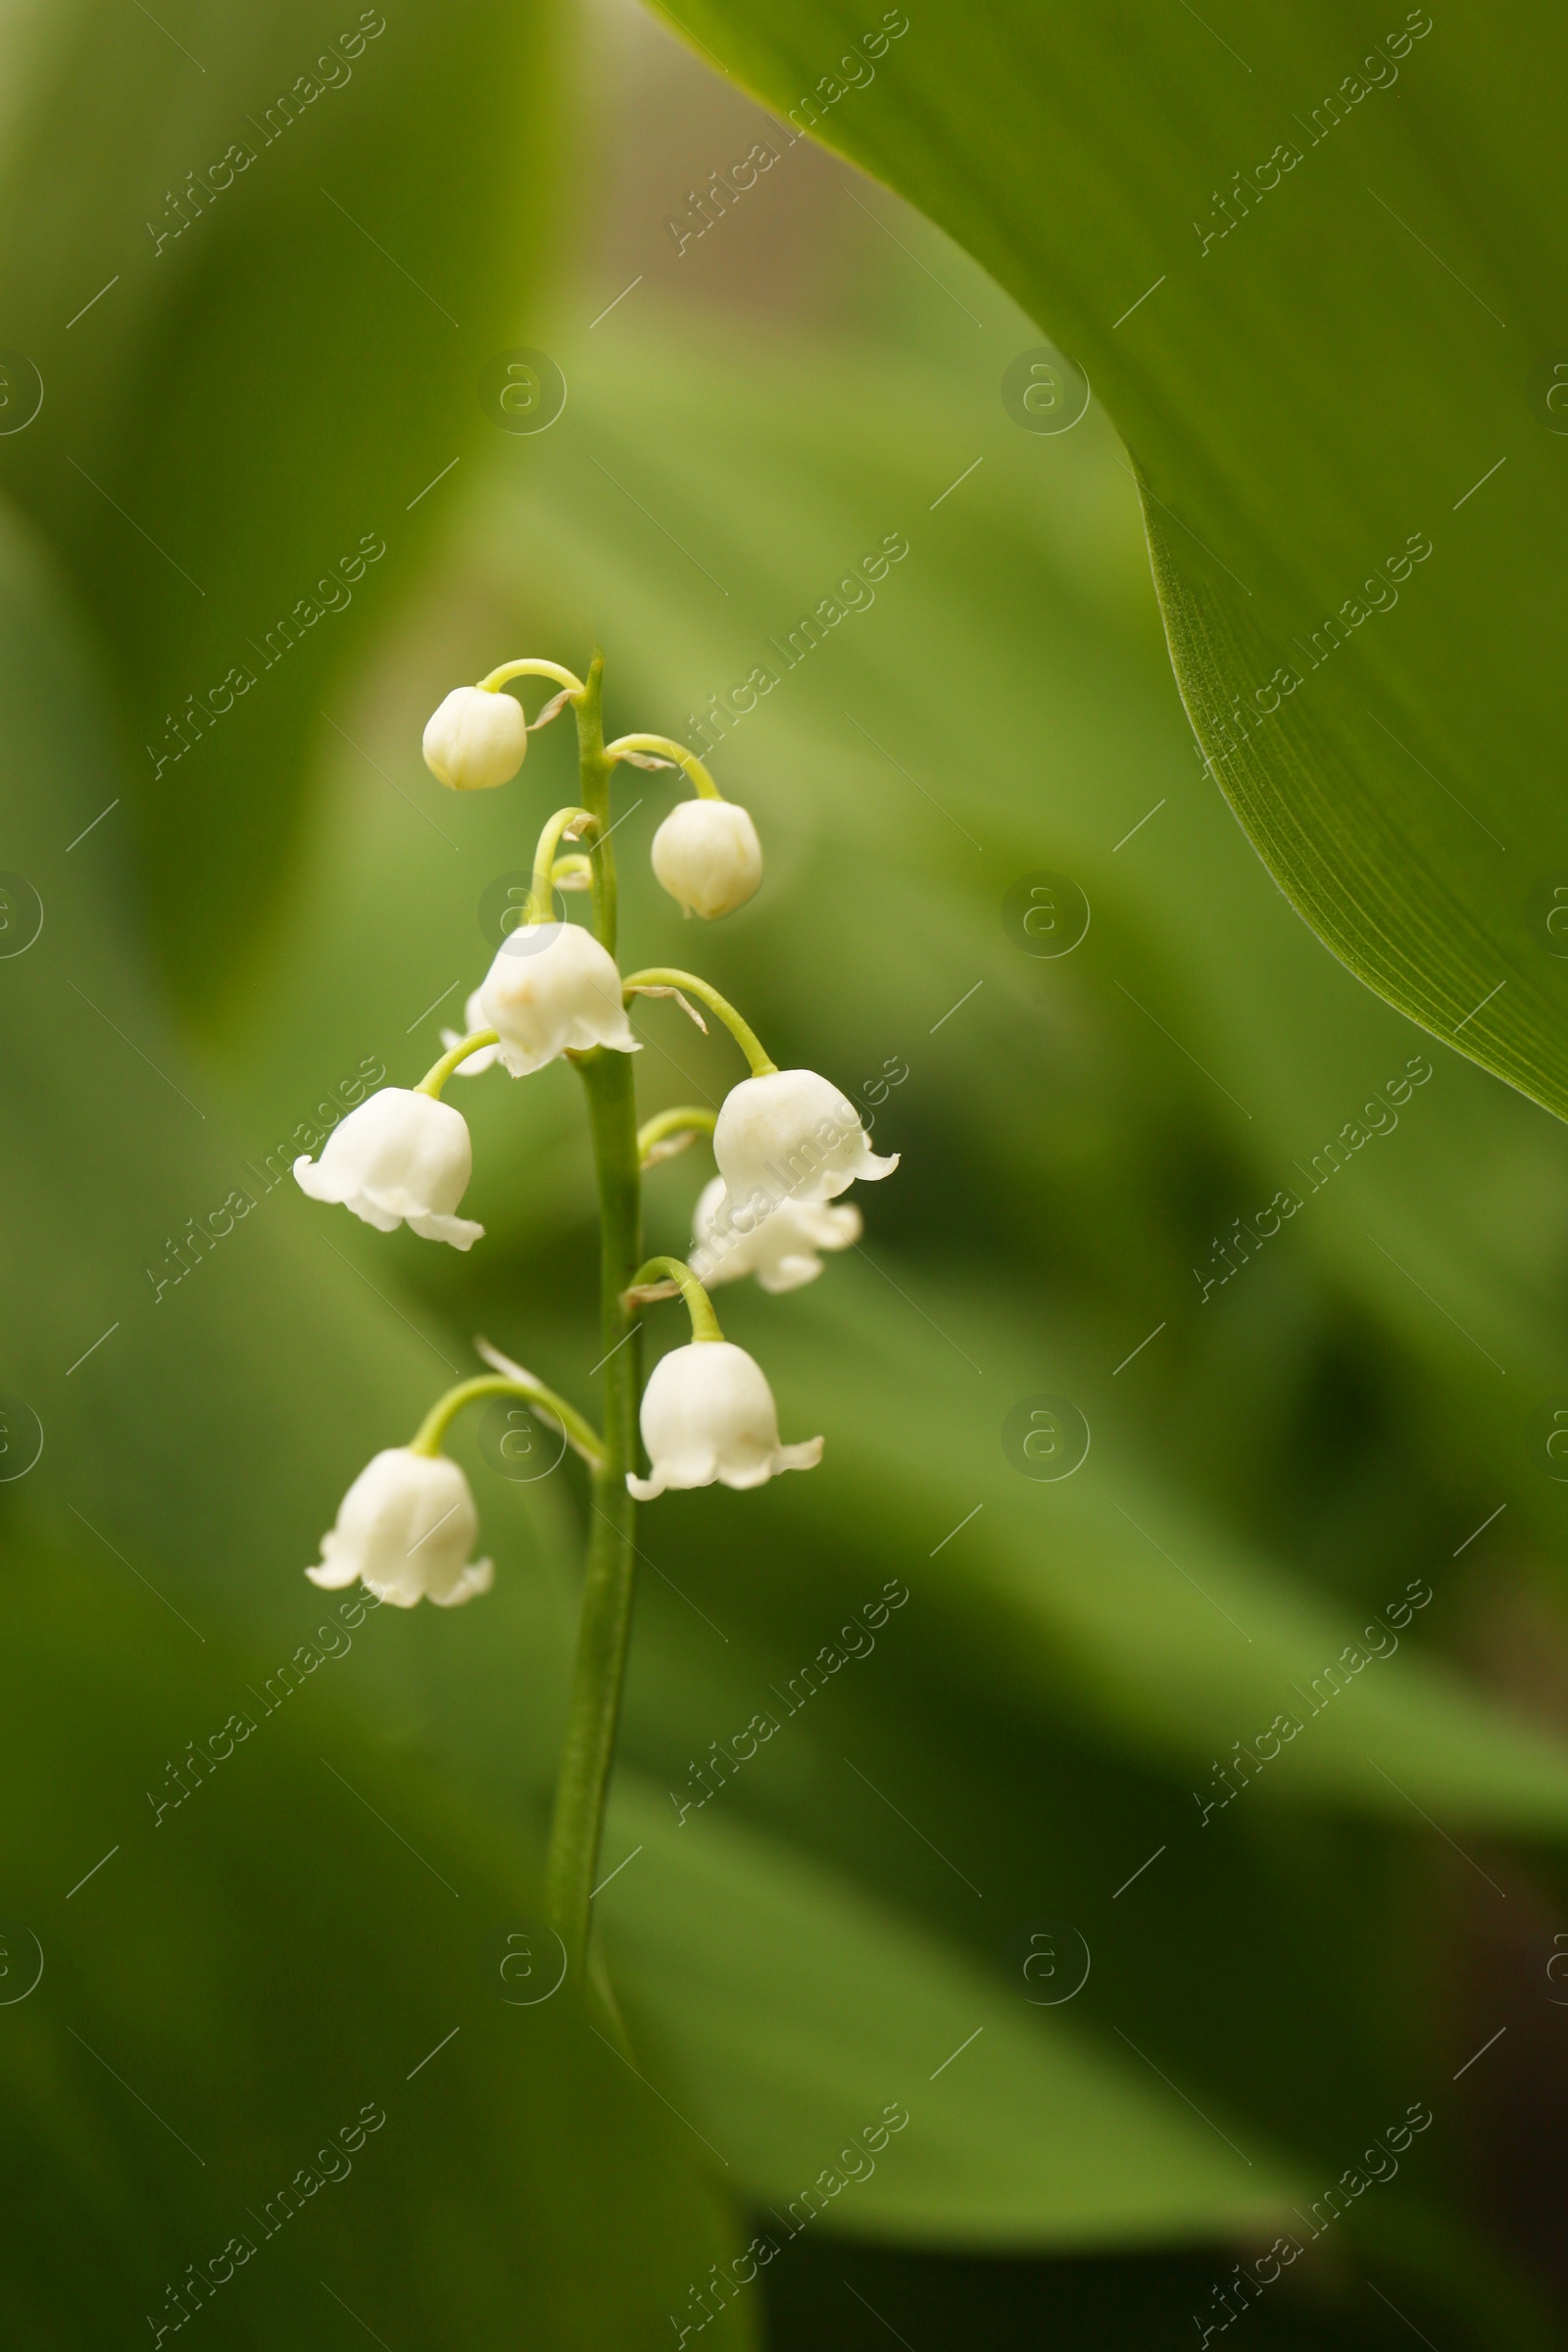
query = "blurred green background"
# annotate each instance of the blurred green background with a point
(1020, 1764)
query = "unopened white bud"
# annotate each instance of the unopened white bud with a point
(477, 738)
(708, 857)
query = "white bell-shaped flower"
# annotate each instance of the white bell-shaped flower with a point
(792, 1135)
(483, 1057)
(405, 1529)
(708, 857)
(401, 1158)
(708, 1413)
(551, 990)
(476, 739)
(778, 1241)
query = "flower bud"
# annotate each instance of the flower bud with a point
(777, 1241)
(401, 1158)
(708, 1413)
(708, 857)
(790, 1135)
(553, 990)
(476, 738)
(404, 1529)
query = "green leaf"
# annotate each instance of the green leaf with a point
(245, 415)
(1020, 2131)
(1260, 239)
(277, 2033)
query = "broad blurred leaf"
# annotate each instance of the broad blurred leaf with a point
(1098, 1594)
(273, 2036)
(1262, 240)
(253, 378)
(1031, 2136)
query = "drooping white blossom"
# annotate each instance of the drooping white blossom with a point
(778, 1241)
(403, 1157)
(483, 1057)
(405, 1529)
(792, 1135)
(551, 990)
(708, 1413)
(477, 738)
(708, 857)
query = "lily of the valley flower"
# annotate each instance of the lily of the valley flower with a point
(791, 1134)
(777, 1242)
(477, 738)
(405, 1529)
(553, 990)
(403, 1157)
(708, 857)
(709, 1414)
(483, 1057)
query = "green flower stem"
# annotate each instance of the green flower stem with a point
(658, 978)
(438, 1420)
(604, 1629)
(706, 789)
(436, 1076)
(704, 1323)
(542, 895)
(685, 1121)
(532, 669)
(593, 771)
